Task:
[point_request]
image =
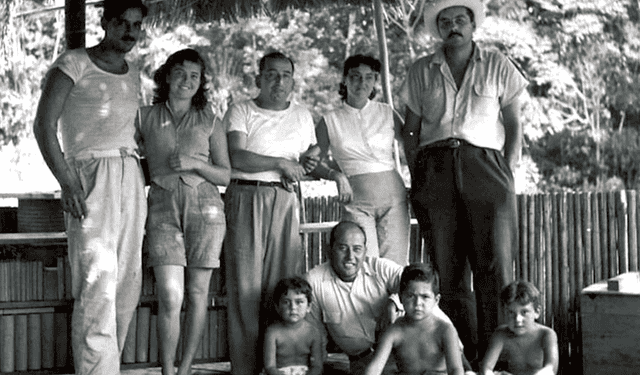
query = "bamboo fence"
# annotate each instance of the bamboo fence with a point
(568, 241)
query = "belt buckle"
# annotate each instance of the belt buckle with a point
(454, 143)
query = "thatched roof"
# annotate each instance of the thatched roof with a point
(208, 10)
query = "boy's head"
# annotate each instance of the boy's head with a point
(292, 297)
(419, 290)
(521, 300)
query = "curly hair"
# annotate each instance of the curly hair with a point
(354, 62)
(522, 292)
(420, 272)
(161, 92)
(296, 284)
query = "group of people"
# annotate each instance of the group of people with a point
(461, 136)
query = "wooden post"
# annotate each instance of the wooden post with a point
(75, 21)
(633, 238)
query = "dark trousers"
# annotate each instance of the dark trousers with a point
(465, 203)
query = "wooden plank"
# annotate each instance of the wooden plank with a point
(579, 247)
(633, 235)
(622, 212)
(587, 232)
(34, 326)
(531, 267)
(604, 234)
(522, 271)
(611, 234)
(571, 250)
(35, 238)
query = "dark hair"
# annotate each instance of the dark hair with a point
(354, 62)
(274, 56)
(472, 16)
(420, 272)
(161, 92)
(115, 8)
(343, 226)
(522, 292)
(296, 284)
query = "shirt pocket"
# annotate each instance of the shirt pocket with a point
(484, 99)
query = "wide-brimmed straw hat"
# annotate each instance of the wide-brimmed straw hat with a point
(434, 7)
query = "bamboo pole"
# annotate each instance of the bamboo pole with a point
(622, 212)
(531, 258)
(588, 238)
(604, 235)
(579, 248)
(571, 249)
(524, 244)
(549, 251)
(633, 237)
(555, 267)
(611, 220)
(539, 244)
(595, 244)
(564, 278)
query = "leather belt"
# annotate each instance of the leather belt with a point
(447, 143)
(361, 355)
(257, 183)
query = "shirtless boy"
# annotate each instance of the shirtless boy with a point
(523, 345)
(422, 342)
(292, 345)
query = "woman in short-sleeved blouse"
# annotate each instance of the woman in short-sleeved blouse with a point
(360, 135)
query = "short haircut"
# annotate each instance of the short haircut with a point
(161, 92)
(472, 17)
(354, 62)
(522, 292)
(115, 8)
(296, 284)
(420, 272)
(343, 226)
(274, 56)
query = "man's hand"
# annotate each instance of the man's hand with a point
(73, 201)
(290, 169)
(310, 158)
(345, 193)
(183, 163)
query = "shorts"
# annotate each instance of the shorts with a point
(185, 225)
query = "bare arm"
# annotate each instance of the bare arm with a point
(218, 170)
(491, 356)
(317, 354)
(513, 133)
(452, 352)
(323, 170)
(411, 136)
(550, 348)
(56, 89)
(382, 353)
(270, 348)
(251, 162)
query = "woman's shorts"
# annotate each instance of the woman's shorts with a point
(185, 225)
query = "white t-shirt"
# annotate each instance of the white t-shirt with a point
(284, 134)
(362, 139)
(100, 110)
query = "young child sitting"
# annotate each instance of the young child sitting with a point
(292, 346)
(523, 345)
(422, 343)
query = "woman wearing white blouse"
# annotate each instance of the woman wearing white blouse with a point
(360, 134)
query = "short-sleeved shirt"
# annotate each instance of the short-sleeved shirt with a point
(162, 138)
(472, 112)
(362, 139)
(284, 134)
(99, 112)
(350, 311)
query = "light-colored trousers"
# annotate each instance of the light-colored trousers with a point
(262, 246)
(106, 260)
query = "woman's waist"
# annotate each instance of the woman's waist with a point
(378, 187)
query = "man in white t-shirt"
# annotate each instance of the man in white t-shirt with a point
(269, 141)
(93, 94)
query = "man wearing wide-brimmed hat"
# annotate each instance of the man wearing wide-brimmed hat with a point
(462, 138)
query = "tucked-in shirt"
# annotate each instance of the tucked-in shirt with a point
(350, 311)
(99, 112)
(472, 112)
(362, 139)
(162, 138)
(284, 134)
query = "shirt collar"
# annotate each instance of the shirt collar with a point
(438, 56)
